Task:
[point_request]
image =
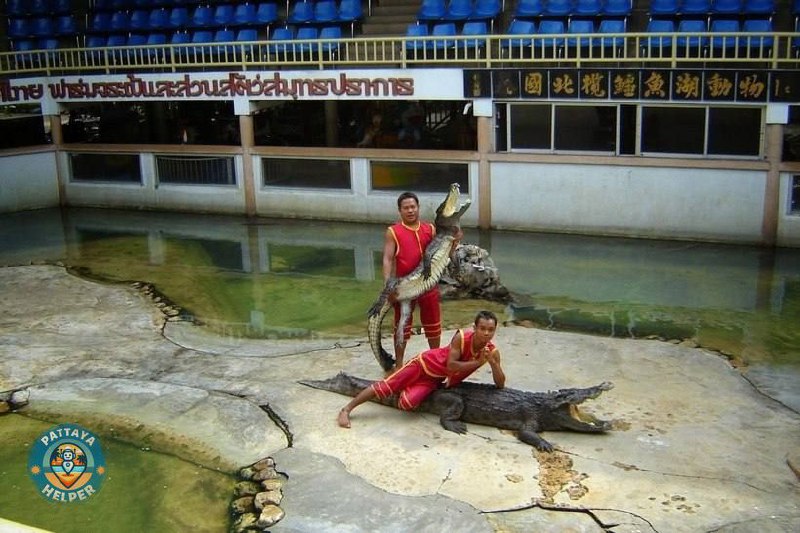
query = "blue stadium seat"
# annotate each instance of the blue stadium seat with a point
(691, 44)
(350, 10)
(136, 39)
(758, 7)
(61, 7)
(431, 10)
(443, 29)
(180, 37)
(474, 28)
(267, 13)
(42, 27)
(724, 26)
(557, 8)
(551, 27)
(247, 35)
(325, 11)
(117, 40)
(225, 36)
(120, 21)
(486, 10)
(520, 27)
(306, 33)
(664, 7)
(156, 39)
(617, 8)
(160, 19)
(577, 26)
(223, 14)
(529, 8)
(100, 22)
(458, 10)
(15, 8)
(695, 7)
(301, 12)
(102, 5)
(202, 17)
(65, 26)
(38, 7)
(18, 28)
(758, 45)
(331, 34)
(611, 26)
(178, 18)
(588, 8)
(281, 41)
(726, 7)
(245, 15)
(416, 30)
(202, 37)
(658, 43)
(140, 20)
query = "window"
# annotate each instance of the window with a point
(105, 167)
(418, 176)
(190, 170)
(794, 196)
(308, 173)
(564, 128)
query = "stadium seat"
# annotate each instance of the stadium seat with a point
(120, 21)
(726, 7)
(617, 8)
(350, 11)
(658, 43)
(724, 26)
(38, 7)
(202, 17)
(281, 41)
(664, 7)
(443, 29)
(61, 7)
(588, 8)
(486, 10)
(301, 12)
(223, 14)
(431, 10)
(519, 27)
(331, 34)
(306, 33)
(202, 37)
(178, 18)
(18, 28)
(154, 39)
(557, 8)
(416, 30)
(116, 40)
(551, 44)
(611, 26)
(579, 26)
(474, 28)
(225, 36)
(758, 7)
(247, 35)
(691, 44)
(16, 8)
(759, 45)
(458, 10)
(245, 15)
(694, 7)
(65, 26)
(325, 11)
(140, 20)
(267, 13)
(160, 19)
(41, 27)
(529, 8)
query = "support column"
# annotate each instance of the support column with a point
(485, 132)
(57, 136)
(331, 123)
(248, 141)
(771, 211)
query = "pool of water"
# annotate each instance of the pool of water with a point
(288, 278)
(143, 490)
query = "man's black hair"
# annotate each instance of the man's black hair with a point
(406, 195)
(485, 315)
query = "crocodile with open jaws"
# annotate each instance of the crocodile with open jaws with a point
(525, 412)
(420, 280)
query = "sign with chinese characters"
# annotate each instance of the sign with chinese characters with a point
(635, 85)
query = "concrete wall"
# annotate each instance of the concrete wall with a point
(719, 205)
(28, 181)
(788, 225)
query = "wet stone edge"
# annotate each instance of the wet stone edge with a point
(257, 496)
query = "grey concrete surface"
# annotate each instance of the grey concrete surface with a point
(695, 446)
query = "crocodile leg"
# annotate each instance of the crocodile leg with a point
(451, 406)
(528, 435)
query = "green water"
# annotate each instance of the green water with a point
(143, 490)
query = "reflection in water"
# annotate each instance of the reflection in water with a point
(280, 278)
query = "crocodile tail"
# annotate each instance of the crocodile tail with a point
(374, 331)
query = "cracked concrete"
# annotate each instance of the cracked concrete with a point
(695, 446)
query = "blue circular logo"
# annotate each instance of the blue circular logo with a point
(67, 463)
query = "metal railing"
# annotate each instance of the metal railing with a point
(761, 50)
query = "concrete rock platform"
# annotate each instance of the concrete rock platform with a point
(695, 446)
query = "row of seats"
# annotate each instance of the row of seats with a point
(458, 10)
(42, 27)
(36, 8)
(696, 42)
(570, 8)
(711, 7)
(324, 11)
(119, 5)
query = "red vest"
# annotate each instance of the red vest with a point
(434, 362)
(411, 245)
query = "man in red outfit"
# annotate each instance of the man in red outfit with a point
(403, 247)
(447, 366)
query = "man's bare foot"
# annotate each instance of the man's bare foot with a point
(343, 419)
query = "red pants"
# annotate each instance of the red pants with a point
(411, 381)
(429, 314)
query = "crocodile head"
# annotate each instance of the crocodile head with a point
(448, 214)
(564, 413)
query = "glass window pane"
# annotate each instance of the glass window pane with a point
(530, 127)
(673, 130)
(794, 206)
(309, 173)
(105, 167)
(586, 128)
(189, 170)
(416, 176)
(746, 122)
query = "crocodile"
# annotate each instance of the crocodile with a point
(526, 413)
(420, 280)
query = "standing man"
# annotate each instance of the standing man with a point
(403, 247)
(448, 366)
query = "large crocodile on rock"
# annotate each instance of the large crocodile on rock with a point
(420, 280)
(525, 412)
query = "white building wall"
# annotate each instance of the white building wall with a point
(788, 224)
(632, 201)
(28, 181)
